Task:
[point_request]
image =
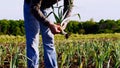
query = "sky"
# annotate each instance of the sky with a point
(88, 9)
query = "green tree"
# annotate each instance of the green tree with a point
(4, 26)
(107, 26)
(73, 27)
(21, 27)
(90, 26)
(15, 27)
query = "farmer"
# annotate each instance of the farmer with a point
(36, 21)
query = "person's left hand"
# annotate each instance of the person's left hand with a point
(55, 29)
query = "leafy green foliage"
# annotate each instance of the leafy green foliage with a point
(61, 18)
(12, 27)
(73, 27)
(90, 27)
(16, 27)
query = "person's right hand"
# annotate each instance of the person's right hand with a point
(55, 29)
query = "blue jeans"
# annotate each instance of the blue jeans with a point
(32, 29)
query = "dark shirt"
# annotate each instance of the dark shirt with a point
(36, 5)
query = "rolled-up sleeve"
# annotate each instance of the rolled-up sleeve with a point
(37, 13)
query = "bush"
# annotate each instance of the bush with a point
(90, 27)
(73, 27)
(16, 27)
(12, 27)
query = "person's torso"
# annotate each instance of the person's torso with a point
(45, 3)
(48, 3)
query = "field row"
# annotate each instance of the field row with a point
(79, 51)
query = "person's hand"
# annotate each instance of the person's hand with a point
(55, 29)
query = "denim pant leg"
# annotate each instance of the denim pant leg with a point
(50, 57)
(49, 48)
(32, 38)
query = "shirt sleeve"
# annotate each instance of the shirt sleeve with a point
(68, 4)
(37, 13)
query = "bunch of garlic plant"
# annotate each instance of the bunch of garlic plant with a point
(61, 19)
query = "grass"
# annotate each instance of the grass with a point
(78, 51)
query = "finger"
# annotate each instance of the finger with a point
(60, 28)
(58, 31)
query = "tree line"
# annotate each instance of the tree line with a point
(12, 27)
(92, 27)
(16, 27)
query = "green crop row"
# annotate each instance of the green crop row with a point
(79, 51)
